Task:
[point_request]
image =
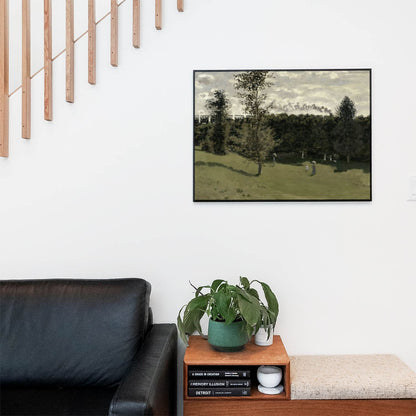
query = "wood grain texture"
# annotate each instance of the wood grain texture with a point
(26, 80)
(4, 78)
(47, 57)
(136, 23)
(114, 33)
(69, 56)
(180, 5)
(201, 353)
(92, 42)
(158, 14)
(266, 407)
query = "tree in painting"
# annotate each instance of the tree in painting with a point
(257, 137)
(348, 143)
(218, 107)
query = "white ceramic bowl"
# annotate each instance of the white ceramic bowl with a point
(269, 375)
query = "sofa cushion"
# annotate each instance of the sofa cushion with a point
(53, 401)
(70, 332)
(343, 377)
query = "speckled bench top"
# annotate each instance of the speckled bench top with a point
(342, 377)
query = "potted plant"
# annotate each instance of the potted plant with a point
(235, 312)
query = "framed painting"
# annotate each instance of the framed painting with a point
(282, 135)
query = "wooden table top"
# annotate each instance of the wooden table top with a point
(200, 353)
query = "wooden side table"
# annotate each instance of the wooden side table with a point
(201, 354)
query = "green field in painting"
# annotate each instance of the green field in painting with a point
(233, 177)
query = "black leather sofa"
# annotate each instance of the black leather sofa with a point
(84, 347)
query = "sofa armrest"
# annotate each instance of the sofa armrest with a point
(149, 386)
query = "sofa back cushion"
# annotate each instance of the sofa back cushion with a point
(70, 332)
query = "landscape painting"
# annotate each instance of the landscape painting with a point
(282, 135)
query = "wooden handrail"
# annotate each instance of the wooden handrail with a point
(180, 5)
(136, 23)
(158, 14)
(92, 39)
(26, 80)
(47, 60)
(4, 78)
(114, 33)
(69, 61)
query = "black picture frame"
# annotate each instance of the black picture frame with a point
(357, 171)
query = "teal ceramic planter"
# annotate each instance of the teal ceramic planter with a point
(227, 338)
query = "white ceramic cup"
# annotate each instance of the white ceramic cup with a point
(262, 337)
(269, 375)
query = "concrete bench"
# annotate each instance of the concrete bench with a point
(379, 385)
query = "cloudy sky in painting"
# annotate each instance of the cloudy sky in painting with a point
(293, 92)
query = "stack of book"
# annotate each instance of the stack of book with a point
(218, 382)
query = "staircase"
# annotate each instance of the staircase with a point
(48, 59)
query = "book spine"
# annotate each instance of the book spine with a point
(202, 383)
(219, 373)
(228, 391)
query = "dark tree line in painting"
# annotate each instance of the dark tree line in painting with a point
(297, 136)
(319, 136)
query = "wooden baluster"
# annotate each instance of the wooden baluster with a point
(26, 80)
(136, 23)
(4, 78)
(47, 54)
(114, 33)
(91, 42)
(158, 14)
(180, 5)
(69, 56)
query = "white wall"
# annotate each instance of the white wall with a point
(106, 188)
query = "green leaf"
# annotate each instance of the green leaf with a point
(271, 299)
(199, 290)
(222, 302)
(249, 330)
(241, 292)
(258, 324)
(191, 322)
(199, 303)
(266, 317)
(254, 293)
(250, 310)
(181, 327)
(244, 282)
(246, 295)
(216, 284)
(214, 315)
(222, 307)
(193, 314)
(230, 317)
